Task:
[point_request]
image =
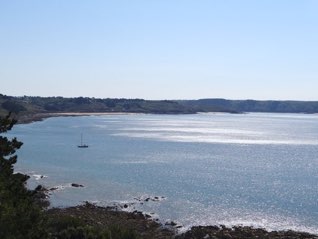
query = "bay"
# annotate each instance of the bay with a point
(249, 169)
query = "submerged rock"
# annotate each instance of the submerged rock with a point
(76, 185)
(150, 199)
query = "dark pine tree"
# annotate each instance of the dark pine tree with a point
(21, 214)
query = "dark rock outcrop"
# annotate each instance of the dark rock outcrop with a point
(240, 232)
(76, 185)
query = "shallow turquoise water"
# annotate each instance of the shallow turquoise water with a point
(250, 169)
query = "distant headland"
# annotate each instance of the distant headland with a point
(31, 108)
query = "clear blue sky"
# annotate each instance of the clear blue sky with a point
(160, 49)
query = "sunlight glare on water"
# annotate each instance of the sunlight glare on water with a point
(249, 169)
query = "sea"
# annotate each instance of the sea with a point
(255, 169)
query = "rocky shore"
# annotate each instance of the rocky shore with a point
(145, 227)
(104, 217)
(239, 232)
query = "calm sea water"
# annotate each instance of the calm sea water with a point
(248, 169)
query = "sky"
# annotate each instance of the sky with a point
(160, 49)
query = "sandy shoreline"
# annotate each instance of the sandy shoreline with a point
(92, 113)
(25, 119)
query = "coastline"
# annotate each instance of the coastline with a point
(216, 231)
(29, 118)
(106, 217)
(26, 119)
(145, 227)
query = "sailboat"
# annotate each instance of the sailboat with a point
(82, 145)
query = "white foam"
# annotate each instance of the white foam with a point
(38, 176)
(231, 217)
(146, 197)
(61, 187)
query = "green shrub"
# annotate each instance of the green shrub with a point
(69, 227)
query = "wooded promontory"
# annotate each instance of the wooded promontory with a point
(31, 107)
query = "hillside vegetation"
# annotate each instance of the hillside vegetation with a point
(252, 106)
(28, 108)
